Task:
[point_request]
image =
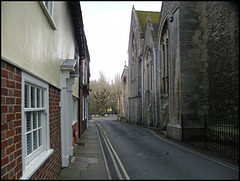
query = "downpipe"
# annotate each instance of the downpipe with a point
(155, 77)
(143, 90)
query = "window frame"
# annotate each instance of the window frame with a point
(149, 70)
(31, 163)
(49, 11)
(74, 121)
(49, 6)
(83, 73)
(165, 60)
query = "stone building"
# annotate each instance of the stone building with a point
(196, 72)
(123, 99)
(135, 55)
(149, 81)
(198, 64)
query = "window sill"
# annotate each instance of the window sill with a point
(35, 164)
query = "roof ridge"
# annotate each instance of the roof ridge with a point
(148, 11)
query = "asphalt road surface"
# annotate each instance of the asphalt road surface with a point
(133, 152)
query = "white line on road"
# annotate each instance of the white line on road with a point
(113, 159)
(104, 157)
(114, 152)
(119, 161)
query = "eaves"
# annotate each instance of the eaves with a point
(76, 13)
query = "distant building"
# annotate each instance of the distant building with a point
(123, 100)
(84, 90)
(44, 61)
(135, 55)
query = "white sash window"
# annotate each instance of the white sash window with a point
(34, 118)
(35, 124)
(74, 110)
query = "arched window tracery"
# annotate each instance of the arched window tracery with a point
(165, 59)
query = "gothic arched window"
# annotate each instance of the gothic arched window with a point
(165, 60)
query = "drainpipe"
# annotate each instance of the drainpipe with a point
(87, 105)
(160, 102)
(143, 89)
(128, 94)
(79, 96)
(155, 76)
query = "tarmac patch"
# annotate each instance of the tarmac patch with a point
(84, 160)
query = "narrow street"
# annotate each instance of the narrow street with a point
(133, 152)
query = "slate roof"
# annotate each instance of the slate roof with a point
(142, 15)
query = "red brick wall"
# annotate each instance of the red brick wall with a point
(11, 151)
(51, 168)
(11, 158)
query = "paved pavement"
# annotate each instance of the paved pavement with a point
(87, 162)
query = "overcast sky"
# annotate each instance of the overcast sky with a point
(107, 25)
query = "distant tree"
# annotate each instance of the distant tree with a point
(100, 93)
(116, 86)
(103, 95)
(93, 105)
(115, 91)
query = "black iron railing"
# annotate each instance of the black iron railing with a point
(219, 134)
(222, 134)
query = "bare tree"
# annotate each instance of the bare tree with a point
(104, 94)
(93, 105)
(101, 92)
(115, 91)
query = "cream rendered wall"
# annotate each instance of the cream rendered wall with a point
(28, 39)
